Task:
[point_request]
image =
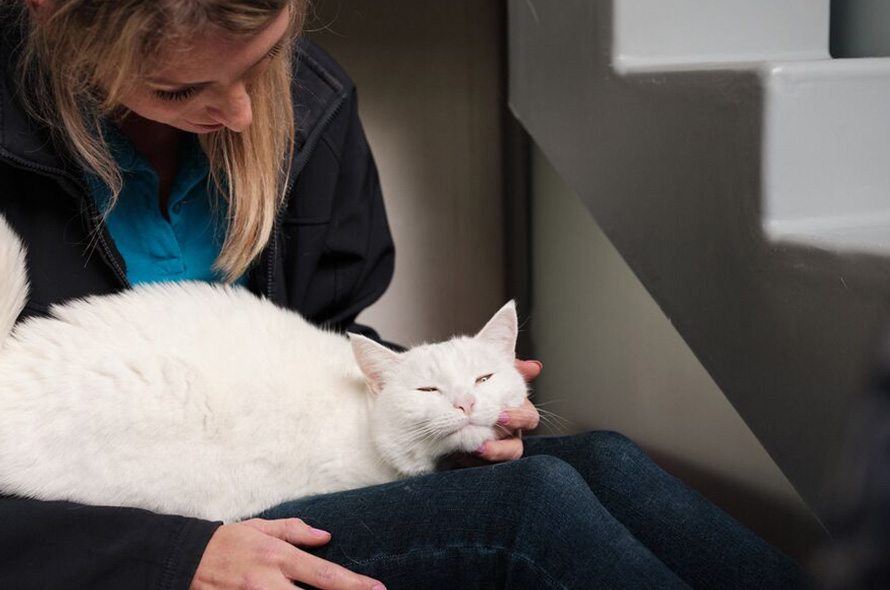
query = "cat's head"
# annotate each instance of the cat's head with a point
(436, 399)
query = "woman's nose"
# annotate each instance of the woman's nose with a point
(233, 109)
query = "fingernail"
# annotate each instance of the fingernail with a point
(379, 587)
(504, 417)
(480, 450)
(539, 363)
(318, 532)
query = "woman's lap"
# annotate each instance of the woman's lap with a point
(705, 546)
(532, 523)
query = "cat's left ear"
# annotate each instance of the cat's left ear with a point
(374, 359)
(502, 329)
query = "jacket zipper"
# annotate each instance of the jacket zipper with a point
(308, 148)
(100, 236)
(270, 259)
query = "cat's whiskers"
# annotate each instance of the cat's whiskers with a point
(433, 430)
(501, 429)
(413, 437)
(554, 420)
(548, 418)
(421, 433)
(547, 403)
(419, 437)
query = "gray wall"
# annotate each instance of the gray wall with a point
(614, 361)
(430, 94)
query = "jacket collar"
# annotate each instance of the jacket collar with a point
(22, 140)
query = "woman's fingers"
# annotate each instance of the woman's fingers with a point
(511, 424)
(529, 369)
(261, 553)
(525, 417)
(292, 530)
(507, 449)
(300, 566)
(315, 571)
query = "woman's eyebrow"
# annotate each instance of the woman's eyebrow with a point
(279, 45)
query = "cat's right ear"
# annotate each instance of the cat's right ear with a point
(502, 330)
(374, 359)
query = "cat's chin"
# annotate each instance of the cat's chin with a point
(470, 437)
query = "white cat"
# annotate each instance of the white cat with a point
(204, 400)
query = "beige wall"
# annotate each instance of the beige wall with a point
(428, 75)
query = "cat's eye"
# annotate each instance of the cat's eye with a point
(428, 389)
(483, 378)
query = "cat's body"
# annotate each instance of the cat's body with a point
(204, 400)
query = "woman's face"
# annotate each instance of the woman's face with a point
(204, 87)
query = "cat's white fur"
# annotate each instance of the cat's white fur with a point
(204, 400)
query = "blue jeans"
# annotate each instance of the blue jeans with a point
(576, 512)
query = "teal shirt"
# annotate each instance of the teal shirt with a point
(153, 248)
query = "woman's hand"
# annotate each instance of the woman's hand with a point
(260, 553)
(512, 422)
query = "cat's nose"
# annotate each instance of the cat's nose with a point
(465, 405)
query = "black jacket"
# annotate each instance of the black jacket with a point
(331, 255)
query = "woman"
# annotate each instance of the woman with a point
(113, 115)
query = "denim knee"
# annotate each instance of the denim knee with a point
(545, 467)
(543, 478)
(594, 455)
(609, 441)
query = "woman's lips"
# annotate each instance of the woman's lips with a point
(215, 127)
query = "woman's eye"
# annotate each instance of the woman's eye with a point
(428, 389)
(183, 94)
(187, 93)
(483, 378)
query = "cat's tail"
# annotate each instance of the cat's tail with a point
(13, 279)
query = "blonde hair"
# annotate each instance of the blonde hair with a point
(78, 59)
